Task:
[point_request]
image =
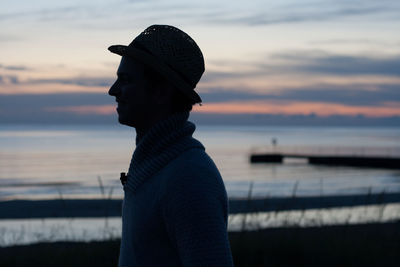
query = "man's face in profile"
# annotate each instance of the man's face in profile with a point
(134, 101)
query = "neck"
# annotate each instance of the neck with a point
(149, 123)
(163, 142)
(140, 133)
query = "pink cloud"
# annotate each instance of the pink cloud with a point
(298, 107)
(261, 107)
(87, 109)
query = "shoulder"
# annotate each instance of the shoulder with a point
(195, 165)
(194, 176)
(195, 157)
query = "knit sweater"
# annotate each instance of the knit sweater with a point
(175, 206)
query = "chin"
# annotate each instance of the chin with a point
(125, 122)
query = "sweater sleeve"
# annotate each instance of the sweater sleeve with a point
(195, 216)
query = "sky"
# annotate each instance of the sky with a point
(276, 59)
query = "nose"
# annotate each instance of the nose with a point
(114, 89)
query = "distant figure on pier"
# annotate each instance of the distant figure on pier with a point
(175, 207)
(274, 141)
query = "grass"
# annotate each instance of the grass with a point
(351, 245)
(371, 244)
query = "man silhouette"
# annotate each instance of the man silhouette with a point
(175, 206)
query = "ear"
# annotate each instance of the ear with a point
(162, 94)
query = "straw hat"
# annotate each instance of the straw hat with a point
(171, 52)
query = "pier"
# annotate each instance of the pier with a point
(332, 156)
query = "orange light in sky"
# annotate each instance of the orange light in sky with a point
(260, 107)
(296, 107)
(89, 109)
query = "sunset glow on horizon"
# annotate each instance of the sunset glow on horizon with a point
(259, 107)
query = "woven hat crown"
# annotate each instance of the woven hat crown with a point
(175, 48)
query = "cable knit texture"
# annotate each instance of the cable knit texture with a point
(175, 207)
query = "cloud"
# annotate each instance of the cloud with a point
(40, 101)
(14, 67)
(44, 14)
(306, 62)
(283, 65)
(292, 120)
(351, 94)
(81, 81)
(311, 11)
(57, 11)
(258, 107)
(211, 12)
(9, 79)
(84, 109)
(299, 107)
(100, 108)
(215, 75)
(323, 62)
(297, 66)
(58, 108)
(267, 18)
(360, 41)
(335, 97)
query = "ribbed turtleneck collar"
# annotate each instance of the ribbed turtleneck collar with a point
(163, 142)
(174, 120)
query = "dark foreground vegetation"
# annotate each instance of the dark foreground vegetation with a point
(346, 245)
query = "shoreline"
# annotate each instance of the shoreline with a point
(93, 208)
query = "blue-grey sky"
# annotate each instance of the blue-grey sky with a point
(329, 58)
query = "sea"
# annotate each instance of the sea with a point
(85, 161)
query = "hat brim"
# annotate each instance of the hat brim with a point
(159, 66)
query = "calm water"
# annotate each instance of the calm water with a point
(38, 162)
